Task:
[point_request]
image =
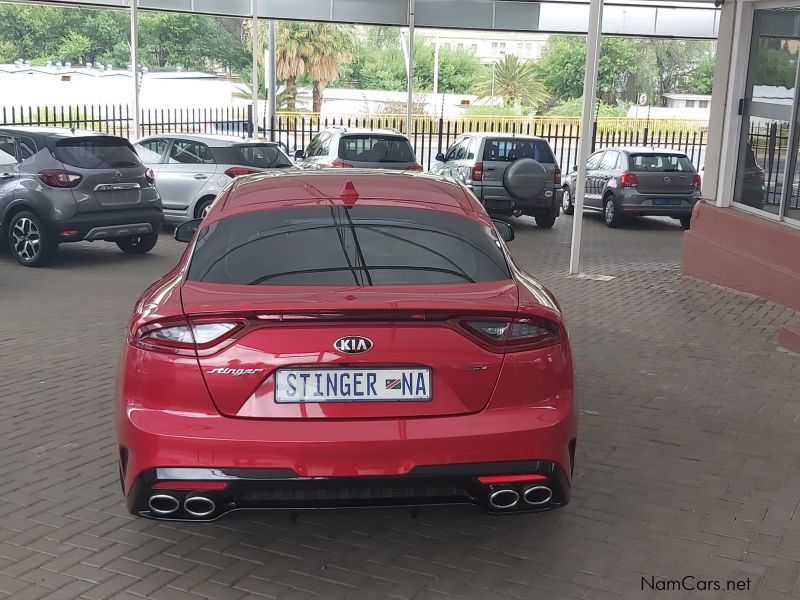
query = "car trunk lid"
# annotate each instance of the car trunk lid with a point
(294, 331)
(663, 173)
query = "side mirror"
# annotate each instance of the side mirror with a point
(299, 154)
(505, 230)
(440, 157)
(185, 231)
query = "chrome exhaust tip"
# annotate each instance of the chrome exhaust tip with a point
(199, 506)
(537, 495)
(163, 504)
(503, 498)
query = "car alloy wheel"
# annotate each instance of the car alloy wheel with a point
(26, 239)
(609, 211)
(566, 202)
(205, 211)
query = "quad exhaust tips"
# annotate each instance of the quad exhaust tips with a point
(503, 498)
(163, 504)
(199, 506)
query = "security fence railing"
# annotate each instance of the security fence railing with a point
(429, 134)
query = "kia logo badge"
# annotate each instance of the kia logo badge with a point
(353, 344)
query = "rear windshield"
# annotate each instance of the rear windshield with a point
(262, 156)
(509, 150)
(337, 246)
(376, 148)
(97, 153)
(660, 163)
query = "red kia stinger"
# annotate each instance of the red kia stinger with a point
(345, 339)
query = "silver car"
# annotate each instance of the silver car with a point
(62, 185)
(191, 170)
(510, 174)
(344, 147)
(628, 182)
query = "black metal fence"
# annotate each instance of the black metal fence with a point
(429, 134)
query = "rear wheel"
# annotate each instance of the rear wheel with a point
(545, 221)
(30, 241)
(611, 213)
(138, 244)
(566, 202)
(686, 222)
(203, 208)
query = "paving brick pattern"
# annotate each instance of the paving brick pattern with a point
(688, 458)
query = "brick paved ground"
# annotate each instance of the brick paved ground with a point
(688, 456)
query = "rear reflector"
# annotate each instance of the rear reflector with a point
(489, 479)
(205, 486)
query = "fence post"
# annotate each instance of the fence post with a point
(646, 134)
(594, 134)
(250, 121)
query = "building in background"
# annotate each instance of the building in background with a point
(490, 46)
(747, 235)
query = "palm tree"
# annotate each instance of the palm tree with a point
(330, 46)
(515, 81)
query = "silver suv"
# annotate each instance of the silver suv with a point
(191, 170)
(62, 185)
(510, 174)
(340, 147)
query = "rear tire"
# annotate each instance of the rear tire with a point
(545, 221)
(138, 244)
(202, 208)
(30, 240)
(566, 202)
(686, 222)
(612, 215)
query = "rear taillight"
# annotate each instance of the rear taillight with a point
(58, 178)
(340, 164)
(515, 335)
(150, 176)
(239, 171)
(697, 182)
(417, 168)
(477, 172)
(628, 180)
(184, 338)
(558, 175)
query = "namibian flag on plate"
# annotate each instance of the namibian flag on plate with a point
(353, 385)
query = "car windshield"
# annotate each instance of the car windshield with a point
(97, 152)
(660, 163)
(336, 246)
(376, 148)
(509, 150)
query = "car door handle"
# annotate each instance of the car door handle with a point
(201, 176)
(6, 176)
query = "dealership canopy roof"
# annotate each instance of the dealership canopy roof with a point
(663, 18)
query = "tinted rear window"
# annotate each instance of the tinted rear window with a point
(321, 246)
(376, 148)
(509, 150)
(660, 163)
(262, 156)
(97, 153)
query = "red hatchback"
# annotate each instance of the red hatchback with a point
(337, 338)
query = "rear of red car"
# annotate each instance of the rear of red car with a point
(321, 356)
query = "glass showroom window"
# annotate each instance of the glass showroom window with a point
(766, 175)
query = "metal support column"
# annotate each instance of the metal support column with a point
(587, 122)
(135, 68)
(409, 106)
(272, 84)
(254, 84)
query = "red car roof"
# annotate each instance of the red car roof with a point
(267, 191)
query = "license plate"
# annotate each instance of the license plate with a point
(667, 201)
(353, 385)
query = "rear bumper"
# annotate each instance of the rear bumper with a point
(316, 464)
(497, 199)
(532, 486)
(634, 203)
(108, 225)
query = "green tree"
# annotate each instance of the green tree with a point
(563, 63)
(330, 45)
(513, 80)
(674, 61)
(701, 78)
(775, 64)
(574, 108)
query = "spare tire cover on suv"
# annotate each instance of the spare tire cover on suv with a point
(524, 179)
